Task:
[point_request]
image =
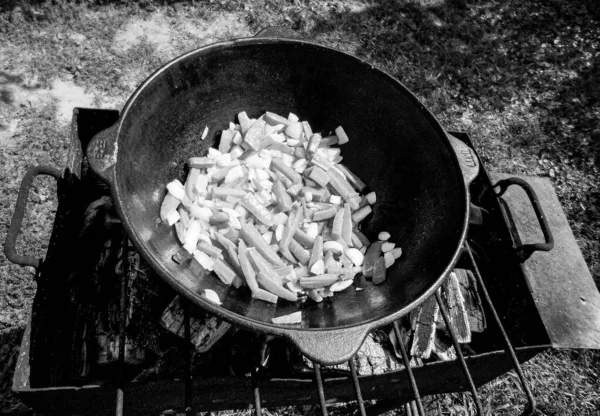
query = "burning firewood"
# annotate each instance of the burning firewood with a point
(205, 331)
(472, 301)
(426, 319)
(459, 318)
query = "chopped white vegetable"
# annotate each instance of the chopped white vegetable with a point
(355, 256)
(292, 318)
(341, 285)
(389, 259)
(279, 231)
(236, 152)
(387, 246)
(384, 236)
(287, 159)
(191, 236)
(234, 174)
(294, 131)
(213, 153)
(268, 236)
(318, 268)
(335, 199)
(201, 184)
(371, 198)
(238, 139)
(176, 189)
(204, 260)
(333, 246)
(202, 213)
(312, 230)
(223, 160)
(172, 218)
(180, 230)
(289, 204)
(341, 134)
(396, 252)
(212, 296)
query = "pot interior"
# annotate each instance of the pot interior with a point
(396, 147)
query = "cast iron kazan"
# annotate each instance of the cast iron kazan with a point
(419, 173)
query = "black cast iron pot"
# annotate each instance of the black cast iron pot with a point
(396, 146)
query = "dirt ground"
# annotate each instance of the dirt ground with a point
(522, 79)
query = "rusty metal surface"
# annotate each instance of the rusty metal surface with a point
(560, 281)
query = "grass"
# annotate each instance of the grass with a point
(523, 78)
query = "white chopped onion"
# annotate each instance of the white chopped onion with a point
(384, 236)
(212, 296)
(341, 285)
(355, 256)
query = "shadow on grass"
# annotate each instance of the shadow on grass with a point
(488, 55)
(10, 342)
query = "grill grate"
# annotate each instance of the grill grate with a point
(414, 407)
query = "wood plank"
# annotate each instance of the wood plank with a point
(425, 328)
(472, 300)
(459, 319)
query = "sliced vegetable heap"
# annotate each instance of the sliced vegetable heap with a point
(273, 208)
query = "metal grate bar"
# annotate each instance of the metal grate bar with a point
(530, 409)
(188, 358)
(256, 391)
(359, 399)
(320, 390)
(122, 326)
(411, 376)
(459, 354)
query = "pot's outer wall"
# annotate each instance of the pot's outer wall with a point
(395, 146)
